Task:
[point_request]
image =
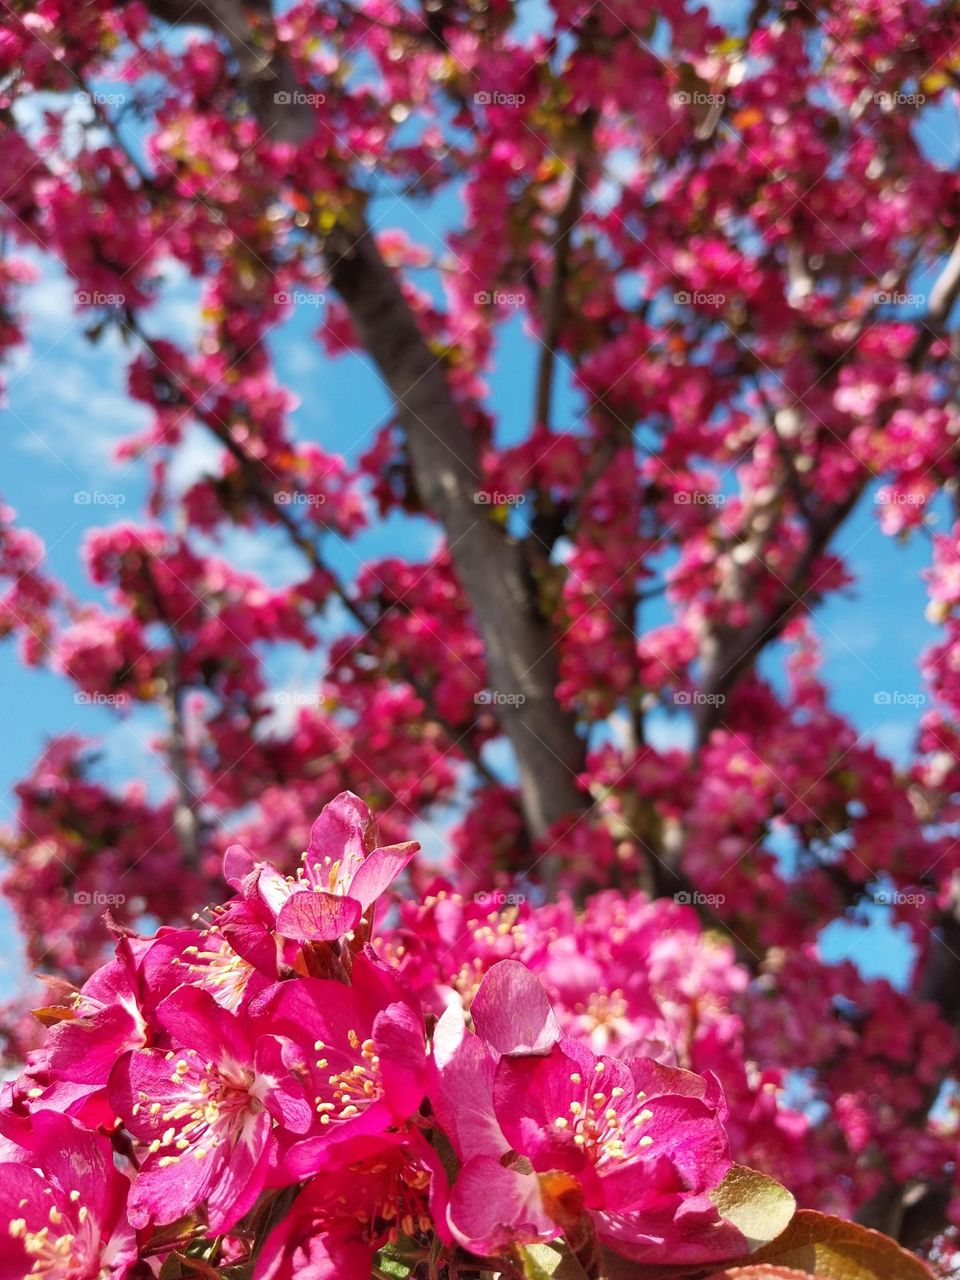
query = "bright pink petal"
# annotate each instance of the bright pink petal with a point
(512, 1011)
(84, 1050)
(76, 1159)
(492, 1208)
(311, 1257)
(246, 926)
(192, 1018)
(21, 1196)
(304, 1158)
(347, 1212)
(398, 1035)
(380, 870)
(461, 1091)
(311, 916)
(237, 1187)
(163, 1193)
(345, 829)
(271, 890)
(693, 1231)
(238, 862)
(280, 1068)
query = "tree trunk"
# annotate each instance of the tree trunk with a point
(490, 567)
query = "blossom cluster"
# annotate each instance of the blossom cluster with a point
(270, 1086)
(749, 199)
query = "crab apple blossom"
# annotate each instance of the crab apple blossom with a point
(62, 1203)
(362, 1197)
(634, 1145)
(366, 1072)
(639, 1145)
(342, 873)
(506, 404)
(336, 1127)
(203, 1110)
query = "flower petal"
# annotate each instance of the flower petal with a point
(492, 1208)
(512, 1011)
(311, 916)
(345, 829)
(379, 871)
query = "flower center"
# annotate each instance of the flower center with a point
(221, 972)
(59, 1250)
(604, 1122)
(215, 1106)
(562, 1197)
(352, 1088)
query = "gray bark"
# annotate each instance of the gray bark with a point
(490, 566)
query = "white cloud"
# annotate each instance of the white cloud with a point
(67, 396)
(197, 455)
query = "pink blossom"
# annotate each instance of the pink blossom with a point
(364, 1196)
(342, 874)
(549, 1131)
(366, 1073)
(203, 1110)
(63, 1203)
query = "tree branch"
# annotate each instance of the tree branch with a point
(443, 454)
(555, 298)
(263, 491)
(490, 566)
(731, 652)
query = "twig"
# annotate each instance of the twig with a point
(554, 302)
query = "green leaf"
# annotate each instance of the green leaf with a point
(391, 1265)
(550, 1262)
(816, 1244)
(758, 1206)
(171, 1269)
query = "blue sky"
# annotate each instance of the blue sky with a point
(66, 408)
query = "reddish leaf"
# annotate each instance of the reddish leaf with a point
(830, 1249)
